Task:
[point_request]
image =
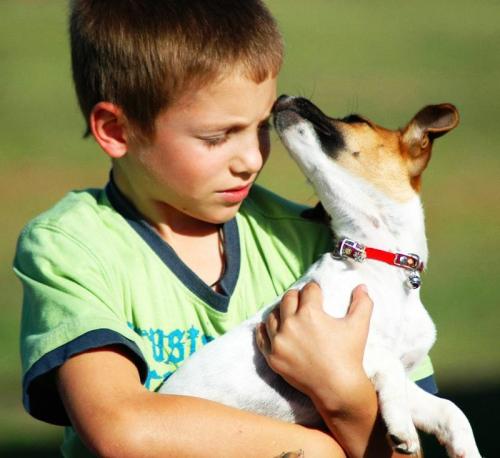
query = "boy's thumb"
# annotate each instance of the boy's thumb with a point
(361, 306)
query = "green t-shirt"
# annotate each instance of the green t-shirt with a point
(95, 274)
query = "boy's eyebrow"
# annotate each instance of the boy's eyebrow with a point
(230, 125)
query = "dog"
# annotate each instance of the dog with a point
(368, 180)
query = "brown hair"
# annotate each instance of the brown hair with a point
(144, 54)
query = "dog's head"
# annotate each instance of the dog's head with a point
(390, 160)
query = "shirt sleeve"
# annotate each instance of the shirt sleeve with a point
(423, 376)
(71, 303)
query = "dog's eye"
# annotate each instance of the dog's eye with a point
(356, 153)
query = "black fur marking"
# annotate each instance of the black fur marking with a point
(329, 136)
(355, 118)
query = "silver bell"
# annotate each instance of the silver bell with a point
(414, 280)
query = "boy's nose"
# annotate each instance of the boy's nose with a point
(250, 157)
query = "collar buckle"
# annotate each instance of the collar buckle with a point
(347, 248)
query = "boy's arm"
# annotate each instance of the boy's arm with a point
(322, 357)
(121, 418)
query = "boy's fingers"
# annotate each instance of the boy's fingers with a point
(361, 306)
(289, 304)
(272, 322)
(311, 295)
(262, 339)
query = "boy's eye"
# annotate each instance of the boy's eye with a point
(217, 140)
(214, 141)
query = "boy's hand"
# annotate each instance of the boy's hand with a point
(319, 355)
(322, 357)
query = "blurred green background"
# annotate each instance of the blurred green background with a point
(384, 59)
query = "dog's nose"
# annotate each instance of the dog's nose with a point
(282, 103)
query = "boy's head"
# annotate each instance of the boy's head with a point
(144, 55)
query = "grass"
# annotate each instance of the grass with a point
(383, 59)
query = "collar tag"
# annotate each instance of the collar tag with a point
(413, 281)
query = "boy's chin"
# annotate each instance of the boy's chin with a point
(223, 214)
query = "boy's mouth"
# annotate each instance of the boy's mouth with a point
(235, 195)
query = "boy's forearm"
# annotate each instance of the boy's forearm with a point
(119, 417)
(155, 425)
(352, 417)
(193, 427)
(182, 426)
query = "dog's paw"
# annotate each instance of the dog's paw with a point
(463, 448)
(455, 432)
(406, 444)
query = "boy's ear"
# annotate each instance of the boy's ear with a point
(107, 123)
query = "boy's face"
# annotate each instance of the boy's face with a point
(208, 150)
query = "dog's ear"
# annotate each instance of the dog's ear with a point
(428, 124)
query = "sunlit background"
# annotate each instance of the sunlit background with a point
(384, 59)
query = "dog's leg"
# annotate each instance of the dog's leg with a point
(443, 419)
(388, 376)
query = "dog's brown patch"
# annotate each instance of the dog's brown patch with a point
(375, 154)
(393, 160)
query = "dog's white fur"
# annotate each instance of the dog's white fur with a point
(232, 371)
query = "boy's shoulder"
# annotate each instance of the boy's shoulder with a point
(74, 205)
(80, 214)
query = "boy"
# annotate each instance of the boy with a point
(122, 284)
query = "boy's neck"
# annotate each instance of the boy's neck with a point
(197, 243)
(169, 222)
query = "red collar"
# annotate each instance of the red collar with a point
(348, 248)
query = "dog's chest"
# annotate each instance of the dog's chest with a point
(399, 320)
